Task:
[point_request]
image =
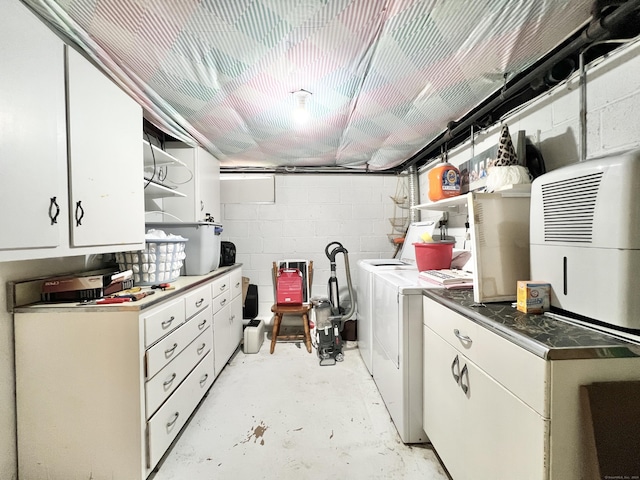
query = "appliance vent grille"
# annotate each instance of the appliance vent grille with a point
(569, 207)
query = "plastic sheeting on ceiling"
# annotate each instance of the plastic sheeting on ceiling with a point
(386, 76)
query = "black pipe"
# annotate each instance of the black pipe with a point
(615, 23)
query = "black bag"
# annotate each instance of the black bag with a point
(250, 307)
(227, 254)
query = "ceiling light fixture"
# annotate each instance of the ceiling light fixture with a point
(300, 112)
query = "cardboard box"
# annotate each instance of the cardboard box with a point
(533, 296)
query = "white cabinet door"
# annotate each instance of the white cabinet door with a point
(220, 338)
(480, 430)
(442, 401)
(235, 326)
(105, 158)
(200, 182)
(32, 132)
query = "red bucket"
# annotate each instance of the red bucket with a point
(433, 256)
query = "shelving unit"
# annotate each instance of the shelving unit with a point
(154, 156)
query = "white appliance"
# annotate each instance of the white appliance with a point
(585, 238)
(397, 349)
(364, 286)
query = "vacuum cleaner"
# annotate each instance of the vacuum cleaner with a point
(330, 316)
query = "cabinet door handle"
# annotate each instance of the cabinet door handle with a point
(463, 338)
(202, 347)
(79, 213)
(203, 380)
(199, 302)
(455, 366)
(464, 373)
(170, 380)
(169, 351)
(173, 420)
(202, 324)
(232, 318)
(238, 285)
(54, 215)
(166, 323)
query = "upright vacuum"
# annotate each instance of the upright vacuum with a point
(330, 316)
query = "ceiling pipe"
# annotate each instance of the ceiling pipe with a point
(600, 28)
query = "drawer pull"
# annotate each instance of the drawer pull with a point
(170, 380)
(201, 348)
(173, 421)
(166, 323)
(223, 287)
(455, 369)
(232, 318)
(464, 373)
(463, 338)
(169, 351)
(201, 325)
(203, 380)
(238, 285)
(224, 300)
(199, 302)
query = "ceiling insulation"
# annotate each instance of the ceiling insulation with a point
(385, 77)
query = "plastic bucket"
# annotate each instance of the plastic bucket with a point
(433, 256)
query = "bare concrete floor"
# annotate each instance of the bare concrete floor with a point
(284, 416)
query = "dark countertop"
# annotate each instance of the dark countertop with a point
(542, 335)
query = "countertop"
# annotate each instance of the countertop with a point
(542, 335)
(182, 285)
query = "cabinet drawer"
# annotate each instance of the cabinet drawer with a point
(221, 301)
(170, 347)
(235, 281)
(167, 380)
(520, 371)
(167, 422)
(162, 320)
(197, 300)
(220, 286)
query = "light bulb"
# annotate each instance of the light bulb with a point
(300, 112)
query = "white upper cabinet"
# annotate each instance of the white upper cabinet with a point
(105, 158)
(70, 149)
(33, 193)
(200, 182)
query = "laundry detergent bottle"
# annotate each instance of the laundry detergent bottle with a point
(444, 181)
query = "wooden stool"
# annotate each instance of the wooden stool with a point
(279, 311)
(301, 310)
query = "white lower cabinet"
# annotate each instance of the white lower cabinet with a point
(494, 410)
(121, 383)
(227, 317)
(479, 428)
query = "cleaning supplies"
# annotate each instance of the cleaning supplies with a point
(444, 182)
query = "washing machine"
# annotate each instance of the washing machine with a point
(397, 348)
(364, 288)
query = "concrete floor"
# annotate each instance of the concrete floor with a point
(284, 416)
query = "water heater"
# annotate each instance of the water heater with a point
(585, 238)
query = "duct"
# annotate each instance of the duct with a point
(623, 19)
(414, 193)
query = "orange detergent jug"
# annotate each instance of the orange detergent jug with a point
(444, 182)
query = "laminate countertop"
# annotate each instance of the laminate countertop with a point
(551, 338)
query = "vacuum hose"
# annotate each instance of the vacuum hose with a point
(334, 297)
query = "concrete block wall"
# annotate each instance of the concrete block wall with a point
(311, 211)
